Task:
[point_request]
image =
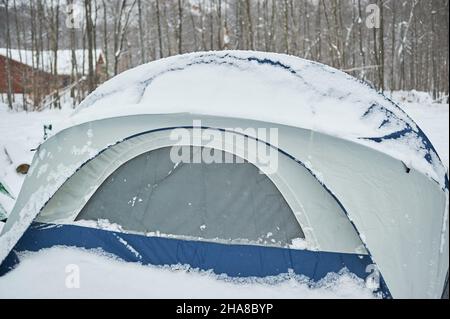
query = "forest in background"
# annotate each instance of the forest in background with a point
(408, 50)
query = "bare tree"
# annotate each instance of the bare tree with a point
(141, 32)
(54, 35)
(121, 23)
(8, 55)
(408, 51)
(180, 27)
(105, 37)
(90, 41)
(158, 19)
(251, 36)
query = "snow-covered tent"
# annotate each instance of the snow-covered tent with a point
(355, 183)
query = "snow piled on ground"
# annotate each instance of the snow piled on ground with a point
(20, 133)
(101, 276)
(432, 118)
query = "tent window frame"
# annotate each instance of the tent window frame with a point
(276, 235)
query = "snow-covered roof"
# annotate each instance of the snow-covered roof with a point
(64, 63)
(268, 87)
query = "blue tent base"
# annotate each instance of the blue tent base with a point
(232, 260)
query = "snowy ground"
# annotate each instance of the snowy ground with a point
(102, 277)
(20, 132)
(432, 118)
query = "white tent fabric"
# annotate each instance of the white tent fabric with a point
(374, 160)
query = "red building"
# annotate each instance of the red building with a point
(36, 83)
(24, 78)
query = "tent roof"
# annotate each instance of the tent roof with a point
(268, 87)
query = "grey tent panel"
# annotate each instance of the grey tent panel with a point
(225, 201)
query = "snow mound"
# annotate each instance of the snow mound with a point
(433, 118)
(267, 87)
(78, 273)
(412, 96)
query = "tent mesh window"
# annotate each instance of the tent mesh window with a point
(219, 201)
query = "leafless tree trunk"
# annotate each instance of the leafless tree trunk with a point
(362, 51)
(434, 76)
(180, 27)
(8, 56)
(381, 47)
(54, 34)
(393, 39)
(105, 38)
(90, 42)
(120, 29)
(141, 32)
(158, 19)
(19, 30)
(251, 35)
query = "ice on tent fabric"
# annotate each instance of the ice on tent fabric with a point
(225, 201)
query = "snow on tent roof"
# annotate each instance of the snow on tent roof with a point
(64, 63)
(268, 87)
